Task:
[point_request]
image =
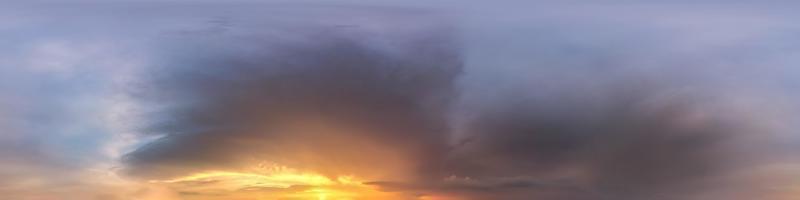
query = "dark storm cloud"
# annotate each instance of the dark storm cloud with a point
(589, 115)
(229, 107)
(616, 137)
(610, 139)
(629, 141)
(616, 111)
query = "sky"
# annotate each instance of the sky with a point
(391, 100)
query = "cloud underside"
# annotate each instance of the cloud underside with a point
(395, 117)
(399, 101)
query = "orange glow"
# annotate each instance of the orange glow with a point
(275, 183)
(240, 179)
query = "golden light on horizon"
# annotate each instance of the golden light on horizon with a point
(277, 182)
(243, 179)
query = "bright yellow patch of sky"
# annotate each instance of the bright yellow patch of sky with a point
(275, 183)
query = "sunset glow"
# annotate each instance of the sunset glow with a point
(399, 100)
(285, 183)
(239, 180)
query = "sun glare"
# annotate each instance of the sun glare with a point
(243, 179)
(277, 181)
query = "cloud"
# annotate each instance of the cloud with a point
(372, 107)
(626, 141)
(581, 114)
(473, 101)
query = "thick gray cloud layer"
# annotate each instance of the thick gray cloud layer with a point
(232, 107)
(500, 101)
(589, 116)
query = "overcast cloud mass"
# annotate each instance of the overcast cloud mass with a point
(445, 100)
